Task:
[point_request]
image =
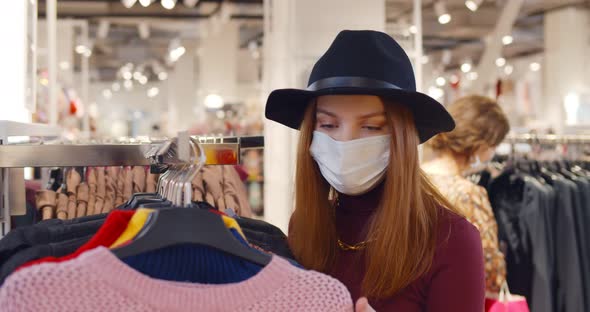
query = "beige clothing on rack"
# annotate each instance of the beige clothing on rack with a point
(46, 203)
(62, 205)
(100, 190)
(91, 191)
(139, 177)
(222, 188)
(73, 179)
(111, 189)
(82, 195)
(151, 182)
(127, 183)
(119, 187)
(235, 193)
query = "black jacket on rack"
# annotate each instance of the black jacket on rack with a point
(518, 203)
(542, 218)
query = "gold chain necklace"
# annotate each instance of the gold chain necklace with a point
(333, 196)
(346, 247)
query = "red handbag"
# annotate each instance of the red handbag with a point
(506, 302)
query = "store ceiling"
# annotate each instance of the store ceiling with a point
(463, 36)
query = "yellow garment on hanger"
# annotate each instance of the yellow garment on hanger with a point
(231, 223)
(140, 217)
(133, 227)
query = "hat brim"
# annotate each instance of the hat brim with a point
(287, 107)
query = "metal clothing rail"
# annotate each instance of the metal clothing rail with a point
(132, 154)
(547, 139)
(218, 151)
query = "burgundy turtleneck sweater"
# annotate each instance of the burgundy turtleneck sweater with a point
(455, 281)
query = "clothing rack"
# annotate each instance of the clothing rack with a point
(109, 154)
(547, 139)
(538, 189)
(527, 143)
(14, 157)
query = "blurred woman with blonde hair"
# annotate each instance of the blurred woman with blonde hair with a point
(481, 125)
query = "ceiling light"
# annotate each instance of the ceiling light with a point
(466, 67)
(142, 80)
(445, 18)
(153, 92)
(116, 86)
(64, 65)
(436, 93)
(128, 84)
(446, 57)
(80, 49)
(145, 3)
(441, 11)
(413, 29)
(137, 75)
(500, 61)
(127, 75)
(103, 29)
(163, 75)
(87, 53)
(472, 75)
(508, 69)
(473, 5)
(535, 66)
(190, 3)
(441, 81)
(144, 30)
(506, 40)
(128, 3)
(107, 93)
(176, 53)
(213, 101)
(168, 4)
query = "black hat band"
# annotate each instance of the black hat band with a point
(350, 82)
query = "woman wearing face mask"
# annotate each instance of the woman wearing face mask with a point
(480, 126)
(365, 213)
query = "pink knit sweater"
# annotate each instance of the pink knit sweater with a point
(98, 281)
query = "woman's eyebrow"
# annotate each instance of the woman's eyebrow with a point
(372, 115)
(321, 111)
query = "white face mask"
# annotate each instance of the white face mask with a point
(351, 167)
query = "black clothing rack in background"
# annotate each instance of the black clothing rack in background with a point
(542, 206)
(14, 157)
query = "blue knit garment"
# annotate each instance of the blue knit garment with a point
(195, 264)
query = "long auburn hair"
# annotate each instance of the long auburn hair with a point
(403, 230)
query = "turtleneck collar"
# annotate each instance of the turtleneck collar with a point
(364, 204)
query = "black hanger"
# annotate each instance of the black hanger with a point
(156, 204)
(175, 226)
(138, 198)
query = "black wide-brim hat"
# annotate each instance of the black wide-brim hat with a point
(362, 62)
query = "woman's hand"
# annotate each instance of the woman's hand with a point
(362, 305)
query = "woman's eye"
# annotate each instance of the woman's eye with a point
(373, 128)
(327, 126)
